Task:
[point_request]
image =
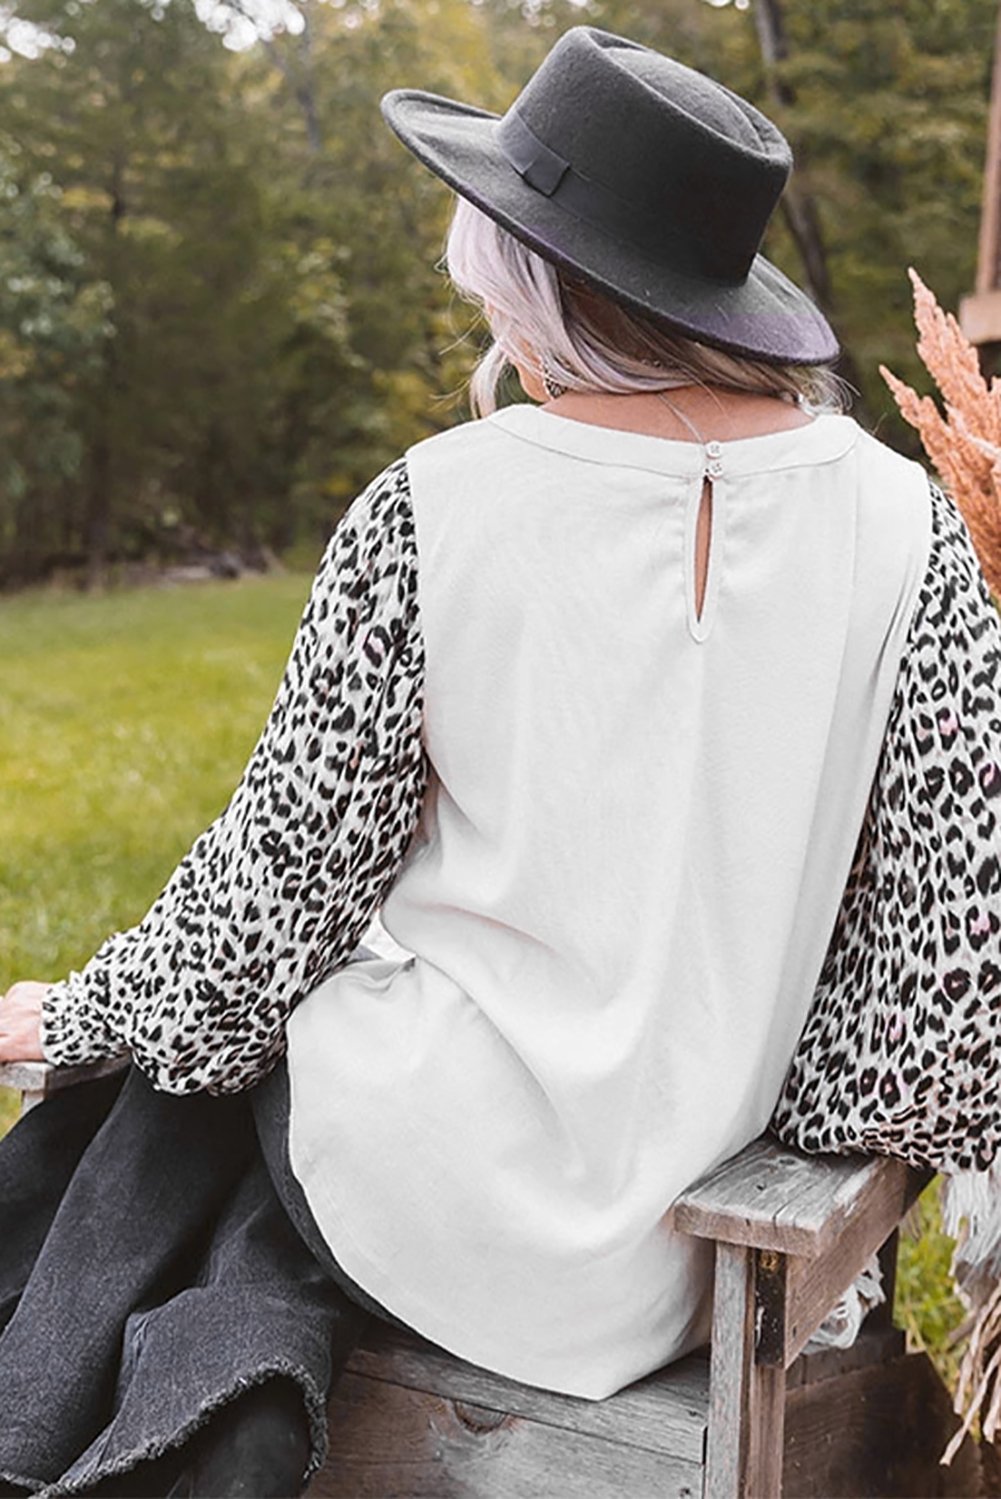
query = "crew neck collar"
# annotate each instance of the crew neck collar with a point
(826, 438)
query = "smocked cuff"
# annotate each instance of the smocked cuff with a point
(71, 1029)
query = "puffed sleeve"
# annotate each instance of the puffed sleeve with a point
(275, 895)
(902, 1046)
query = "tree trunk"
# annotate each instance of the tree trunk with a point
(799, 207)
(299, 78)
(101, 475)
(305, 92)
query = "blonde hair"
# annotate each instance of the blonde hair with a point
(542, 317)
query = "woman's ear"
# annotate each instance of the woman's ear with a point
(530, 378)
(527, 368)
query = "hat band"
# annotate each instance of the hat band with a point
(655, 234)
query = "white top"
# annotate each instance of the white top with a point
(637, 833)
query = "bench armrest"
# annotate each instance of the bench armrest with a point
(773, 1198)
(36, 1081)
(791, 1233)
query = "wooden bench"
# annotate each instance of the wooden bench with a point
(759, 1414)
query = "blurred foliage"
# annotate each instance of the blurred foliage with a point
(926, 1305)
(220, 301)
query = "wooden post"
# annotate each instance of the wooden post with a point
(980, 314)
(989, 245)
(882, 1316)
(746, 1399)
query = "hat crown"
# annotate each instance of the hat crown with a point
(626, 74)
(689, 171)
(645, 179)
(709, 104)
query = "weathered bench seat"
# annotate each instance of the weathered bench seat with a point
(761, 1413)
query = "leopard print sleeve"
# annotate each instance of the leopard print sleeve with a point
(275, 895)
(900, 1052)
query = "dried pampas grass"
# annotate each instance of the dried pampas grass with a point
(964, 445)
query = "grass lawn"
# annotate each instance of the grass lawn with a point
(125, 722)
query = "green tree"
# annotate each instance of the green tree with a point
(222, 308)
(356, 207)
(161, 192)
(53, 327)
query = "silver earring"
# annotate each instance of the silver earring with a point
(550, 384)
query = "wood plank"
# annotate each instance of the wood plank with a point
(875, 1344)
(989, 245)
(389, 1442)
(665, 1412)
(766, 1430)
(24, 1077)
(44, 1079)
(877, 1431)
(980, 317)
(770, 1197)
(788, 1319)
(771, 1273)
(731, 1357)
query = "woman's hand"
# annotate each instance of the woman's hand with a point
(20, 1017)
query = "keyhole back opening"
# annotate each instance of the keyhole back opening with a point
(704, 521)
(703, 545)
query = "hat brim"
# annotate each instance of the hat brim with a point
(764, 317)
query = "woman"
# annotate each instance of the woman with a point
(588, 700)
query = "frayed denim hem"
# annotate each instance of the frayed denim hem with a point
(33, 1485)
(100, 1471)
(150, 1275)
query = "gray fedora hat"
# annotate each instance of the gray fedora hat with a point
(642, 177)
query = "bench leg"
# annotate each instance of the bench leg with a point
(746, 1399)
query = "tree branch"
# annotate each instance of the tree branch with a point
(298, 79)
